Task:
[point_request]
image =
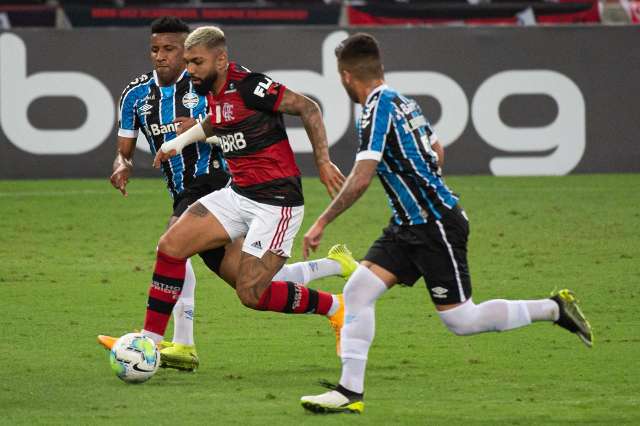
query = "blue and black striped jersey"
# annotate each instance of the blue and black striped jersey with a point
(393, 131)
(151, 108)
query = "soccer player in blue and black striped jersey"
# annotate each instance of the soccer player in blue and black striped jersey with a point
(426, 237)
(155, 103)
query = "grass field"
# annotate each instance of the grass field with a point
(76, 260)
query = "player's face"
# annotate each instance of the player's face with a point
(204, 65)
(167, 50)
(348, 84)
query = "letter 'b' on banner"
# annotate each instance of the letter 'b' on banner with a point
(17, 91)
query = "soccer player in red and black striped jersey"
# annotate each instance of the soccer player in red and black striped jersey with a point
(199, 171)
(264, 205)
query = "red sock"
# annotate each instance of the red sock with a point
(166, 286)
(291, 298)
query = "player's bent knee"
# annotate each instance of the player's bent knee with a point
(461, 320)
(170, 245)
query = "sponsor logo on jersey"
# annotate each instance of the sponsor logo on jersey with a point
(227, 112)
(264, 87)
(161, 129)
(232, 142)
(439, 292)
(190, 100)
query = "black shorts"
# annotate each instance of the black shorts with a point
(201, 186)
(436, 251)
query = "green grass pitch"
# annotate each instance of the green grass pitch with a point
(76, 257)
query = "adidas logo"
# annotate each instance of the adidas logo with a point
(257, 245)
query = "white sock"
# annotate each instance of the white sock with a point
(157, 338)
(543, 310)
(184, 309)
(360, 294)
(497, 315)
(303, 272)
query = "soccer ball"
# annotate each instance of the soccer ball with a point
(134, 358)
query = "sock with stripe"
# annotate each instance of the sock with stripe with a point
(292, 298)
(165, 289)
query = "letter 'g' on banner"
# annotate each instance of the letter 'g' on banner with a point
(566, 135)
(18, 91)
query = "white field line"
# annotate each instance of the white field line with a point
(67, 192)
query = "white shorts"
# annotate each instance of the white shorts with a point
(264, 227)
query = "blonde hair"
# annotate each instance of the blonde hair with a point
(210, 36)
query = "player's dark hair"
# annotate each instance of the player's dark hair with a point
(360, 55)
(169, 24)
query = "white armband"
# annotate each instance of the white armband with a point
(194, 134)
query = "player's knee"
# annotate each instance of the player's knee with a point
(168, 244)
(357, 292)
(461, 320)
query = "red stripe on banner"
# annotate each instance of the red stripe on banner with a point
(282, 209)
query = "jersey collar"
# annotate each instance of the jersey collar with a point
(374, 91)
(182, 75)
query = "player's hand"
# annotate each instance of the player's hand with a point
(183, 124)
(162, 156)
(331, 177)
(312, 239)
(120, 178)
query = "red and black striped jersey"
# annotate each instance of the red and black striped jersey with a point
(254, 139)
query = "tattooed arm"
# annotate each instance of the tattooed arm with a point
(356, 184)
(296, 104)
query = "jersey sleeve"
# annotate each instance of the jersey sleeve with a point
(260, 92)
(128, 123)
(373, 128)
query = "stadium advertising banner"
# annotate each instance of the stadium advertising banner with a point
(504, 101)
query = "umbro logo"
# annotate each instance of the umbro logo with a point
(257, 245)
(439, 292)
(145, 109)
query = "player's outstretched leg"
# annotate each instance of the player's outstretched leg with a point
(339, 261)
(501, 315)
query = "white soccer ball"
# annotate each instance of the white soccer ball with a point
(134, 358)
